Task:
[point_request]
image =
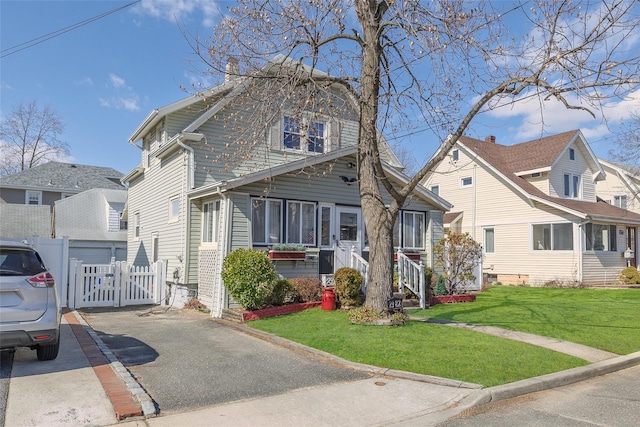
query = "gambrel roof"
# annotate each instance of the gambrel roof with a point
(512, 163)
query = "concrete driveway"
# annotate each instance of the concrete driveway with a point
(186, 360)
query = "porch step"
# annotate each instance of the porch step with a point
(231, 315)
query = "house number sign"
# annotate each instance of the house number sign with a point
(394, 304)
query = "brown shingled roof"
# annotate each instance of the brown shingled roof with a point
(537, 154)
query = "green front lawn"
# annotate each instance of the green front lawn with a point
(608, 319)
(420, 347)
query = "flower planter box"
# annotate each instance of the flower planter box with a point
(448, 299)
(278, 311)
(287, 255)
(411, 256)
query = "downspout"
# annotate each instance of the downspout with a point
(185, 240)
(222, 295)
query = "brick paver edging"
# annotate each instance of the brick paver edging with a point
(128, 398)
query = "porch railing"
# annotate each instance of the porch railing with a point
(361, 265)
(411, 275)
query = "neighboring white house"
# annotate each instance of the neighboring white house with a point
(621, 187)
(191, 206)
(533, 207)
(92, 222)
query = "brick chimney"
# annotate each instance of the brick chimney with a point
(490, 138)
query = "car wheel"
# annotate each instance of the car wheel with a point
(48, 351)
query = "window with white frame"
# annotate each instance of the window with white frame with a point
(174, 208)
(301, 220)
(435, 189)
(412, 225)
(266, 221)
(620, 201)
(572, 186)
(210, 221)
(325, 216)
(572, 154)
(304, 135)
(455, 155)
(552, 237)
(489, 240)
(466, 181)
(600, 237)
(33, 197)
(136, 225)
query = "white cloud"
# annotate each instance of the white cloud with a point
(179, 10)
(116, 81)
(130, 103)
(87, 81)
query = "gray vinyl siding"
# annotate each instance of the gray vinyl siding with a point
(240, 227)
(150, 196)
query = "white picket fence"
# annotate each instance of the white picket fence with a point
(116, 284)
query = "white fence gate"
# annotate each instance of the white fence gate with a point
(116, 284)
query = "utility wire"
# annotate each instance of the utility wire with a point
(33, 42)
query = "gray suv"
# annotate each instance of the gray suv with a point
(29, 305)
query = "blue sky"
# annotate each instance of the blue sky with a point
(105, 77)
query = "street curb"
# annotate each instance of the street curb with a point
(327, 357)
(549, 381)
(137, 392)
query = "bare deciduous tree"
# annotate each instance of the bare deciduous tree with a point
(30, 136)
(627, 146)
(435, 64)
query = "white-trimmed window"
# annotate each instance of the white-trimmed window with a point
(552, 237)
(174, 209)
(136, 225)
(572, 186)
(600, 237)
(412, 225)
(455, 155)
(620, 201)
(33, 197)
(467, 181)
(325, 217)
(301, 220)
(266, 221)
(572, 154)
(435, 189)
(304, 135)
(489, 240)
(210, 214)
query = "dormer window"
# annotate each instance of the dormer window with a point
(296, 137)
(571, 186)
(572, 154)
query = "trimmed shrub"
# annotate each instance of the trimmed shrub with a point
(248, 275)
(630, 276)
(348, 283)
(280, 292)
(307, 288)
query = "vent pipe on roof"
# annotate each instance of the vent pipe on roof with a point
(490, 138)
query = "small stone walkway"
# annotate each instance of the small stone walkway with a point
(587, 353)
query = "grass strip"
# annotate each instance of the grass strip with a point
(608, 319)
(419, 347)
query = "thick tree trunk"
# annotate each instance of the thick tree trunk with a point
(377, 217)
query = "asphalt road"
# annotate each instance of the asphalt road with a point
(611, 400)
(185, 360)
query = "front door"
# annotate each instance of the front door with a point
(632, 244)
(348, 235)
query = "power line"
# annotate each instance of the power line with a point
(33, 42)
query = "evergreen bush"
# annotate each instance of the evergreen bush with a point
(348, 283)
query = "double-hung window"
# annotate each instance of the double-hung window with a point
(301, 223)
(412, 225)
(572, 186)
(601, 237)
(210, 221)
(620, 201)
(174, 209)
(489, 241)
(304, 135)
(266, 221)
(136, 225)
(556, 237)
